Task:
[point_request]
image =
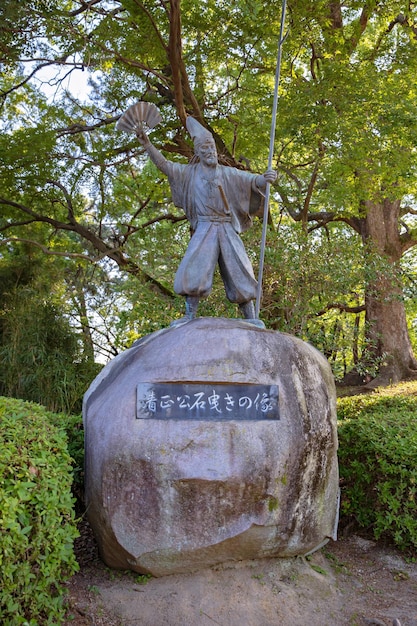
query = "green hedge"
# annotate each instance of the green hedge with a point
(72, 425)
(378, 463)
(37, 526)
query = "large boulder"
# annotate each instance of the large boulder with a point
(252, 473)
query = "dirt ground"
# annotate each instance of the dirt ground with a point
(351, 582)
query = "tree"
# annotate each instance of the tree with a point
(74, 187)
(312, 295)
(43, 356)
(345, 152)
(69, 173)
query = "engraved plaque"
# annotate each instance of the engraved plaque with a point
(207, 401)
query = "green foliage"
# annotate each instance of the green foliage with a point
(308, 292)
(41, 352)
(36, 516)
(72, 426)
(409, 271)
(72, 185)
(378, 463)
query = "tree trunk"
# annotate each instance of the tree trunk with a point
(81, 306)
(387, 336)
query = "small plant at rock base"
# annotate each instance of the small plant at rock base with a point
(318, 569)
(142, 579)
(315, 567)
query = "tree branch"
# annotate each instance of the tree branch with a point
(408, 209)
(68, 200)
(85, 6)
(181, 86)
(400, 19)
(115, 253)
(16, 224)
(309, 194)
(152, 22)
(46, 250)
(81, 128)
(58, 61)
(170, 217)
(361, 24)
(325, 218)
(340, 307)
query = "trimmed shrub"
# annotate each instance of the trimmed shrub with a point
(37, 526)
(378, 464)
(72, 425)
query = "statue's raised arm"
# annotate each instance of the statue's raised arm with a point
(156, 157)
(137, 119)
(219, 203)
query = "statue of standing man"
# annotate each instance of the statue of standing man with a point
(219, 202)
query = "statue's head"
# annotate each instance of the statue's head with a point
(204, 144)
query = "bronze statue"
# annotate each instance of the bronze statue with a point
(219, 202)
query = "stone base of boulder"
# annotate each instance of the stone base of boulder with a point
(209, 442)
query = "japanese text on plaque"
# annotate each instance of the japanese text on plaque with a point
(207, 401)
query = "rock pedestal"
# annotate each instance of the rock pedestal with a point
(210, 442)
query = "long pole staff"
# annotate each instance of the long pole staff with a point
(270, 157)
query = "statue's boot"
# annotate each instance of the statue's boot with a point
(247, 309)
(191, 306)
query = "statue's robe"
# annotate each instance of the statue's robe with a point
(219, 205)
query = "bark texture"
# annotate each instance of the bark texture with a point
(387, 331)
